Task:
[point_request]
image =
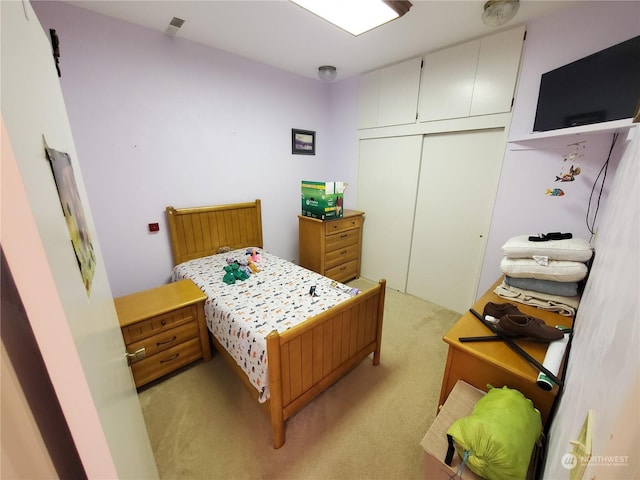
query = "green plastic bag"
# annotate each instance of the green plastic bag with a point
(499, 436)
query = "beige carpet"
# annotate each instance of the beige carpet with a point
(204, 424)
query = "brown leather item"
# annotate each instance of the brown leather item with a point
(528, 327)
(499, 310)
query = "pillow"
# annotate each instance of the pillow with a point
(499, 436)
(572, 249)
(556, 270)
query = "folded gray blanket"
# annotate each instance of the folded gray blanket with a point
(566, 306)
(566, 289)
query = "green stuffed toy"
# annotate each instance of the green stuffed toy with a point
(233, 273)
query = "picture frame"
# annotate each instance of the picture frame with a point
(303, 142)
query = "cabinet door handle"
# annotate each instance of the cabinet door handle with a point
(164, 342)
(170, 358)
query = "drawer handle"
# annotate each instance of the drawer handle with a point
(173, 339)
(163, 322)
(344, 235)
(343, 267)
(170, 358)
(343, 252)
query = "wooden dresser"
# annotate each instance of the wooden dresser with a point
(163, 329)
(332, 247)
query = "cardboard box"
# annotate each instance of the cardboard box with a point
(459, 404)
(322, 200)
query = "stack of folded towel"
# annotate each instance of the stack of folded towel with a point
(545, 272)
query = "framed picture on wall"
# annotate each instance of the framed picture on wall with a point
(74, 214)
(303, 142)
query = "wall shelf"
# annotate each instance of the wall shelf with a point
(619, 126)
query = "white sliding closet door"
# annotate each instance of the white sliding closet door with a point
(387, 185)
(458, 182)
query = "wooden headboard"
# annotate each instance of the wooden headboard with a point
(201, 231)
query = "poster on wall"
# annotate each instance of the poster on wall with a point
(74, 214)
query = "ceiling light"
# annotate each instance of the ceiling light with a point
(356, 16)
(327, 73)
(499, 12)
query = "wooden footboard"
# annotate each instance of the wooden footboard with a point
(308, 358)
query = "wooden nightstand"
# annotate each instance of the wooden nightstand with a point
(332, 247)
(163, 329)
(482, 363)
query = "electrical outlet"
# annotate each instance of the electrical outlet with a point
(154, 227)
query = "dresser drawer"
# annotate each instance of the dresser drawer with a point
(336, 226)
(159, 324)
(343, 272)
(340, 256)
(342, 239)
(166, 339)
(164, 362)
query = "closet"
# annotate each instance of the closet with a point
(387, 185)
(429, 186)
(456, 191)
(429, 201)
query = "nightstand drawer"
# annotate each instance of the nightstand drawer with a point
(342, 239)
(343, 272)
(342, 255)
(158, 365)
(167, 339)
(155, 325)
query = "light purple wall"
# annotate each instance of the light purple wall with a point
(160, 121)
(343, 119)
(529, 168)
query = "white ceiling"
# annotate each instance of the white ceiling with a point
(284, 35)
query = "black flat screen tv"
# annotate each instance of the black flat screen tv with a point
(602, 87)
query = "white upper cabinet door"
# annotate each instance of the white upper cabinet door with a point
(399, 85)
(447, 82)
(389, 96)
(369, 98)
(497, 72)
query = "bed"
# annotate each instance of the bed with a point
(332, 332)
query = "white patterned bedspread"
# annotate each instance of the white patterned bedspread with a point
(241, 315)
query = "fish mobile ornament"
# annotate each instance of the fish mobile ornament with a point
(569, 169)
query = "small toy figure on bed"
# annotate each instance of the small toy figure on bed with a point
(234, 271)
(254, 254)
(239, 269)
